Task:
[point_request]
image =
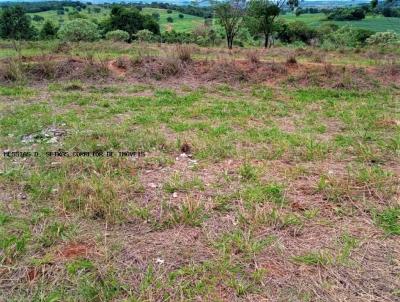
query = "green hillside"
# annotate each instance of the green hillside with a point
(185, 24)
(374, 23)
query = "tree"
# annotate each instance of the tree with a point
(261, 17)
(37, 18)
(79, 30)
(374, 4)
(15, 24)
(131, 21)
(230, 17)
(48, 31)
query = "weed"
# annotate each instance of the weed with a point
(291, 59)
(253, 57)
(191, 212)
(184, 52)
(259, 193)
(319, 258)
(248, 173)
(389, 220)
(178, 184)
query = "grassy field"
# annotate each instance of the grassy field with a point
(374, 23)
(186, 24)
(260, 180)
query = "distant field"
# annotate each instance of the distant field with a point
(378, 23)
(186, 24)
(189, 22)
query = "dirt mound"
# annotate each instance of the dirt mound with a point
(225, 71)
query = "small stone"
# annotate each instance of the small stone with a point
(53, 140)
(22, 195)
(152, 185)
(160, 261)
(183, 155)
(175, 195)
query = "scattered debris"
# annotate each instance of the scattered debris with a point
(49, 135)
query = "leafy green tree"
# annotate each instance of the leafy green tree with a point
(131, 21)
(15, 24)
(79, 30)
(374, 4)
(48, 31)
(262, 15)
(230, 17)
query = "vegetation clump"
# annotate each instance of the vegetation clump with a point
(117, 35)
(79, 30)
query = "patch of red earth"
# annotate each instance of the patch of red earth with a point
(74, 250)
(32, 274)
(116, 70)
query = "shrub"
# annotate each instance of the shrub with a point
(181, 16)
(348, 37)
(169, 11)
(37, 18)
(291, 59)
(117, 35)
(383, 38)
(79, 30)
(296, 31)
(144, 35)
(170, 20)
(253, 56)
(391, 12)
(184, 52)
(48, 31)
(347, 14)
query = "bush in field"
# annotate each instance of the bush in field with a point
(347, 14)
(176, 37)
(117, 35)
(48, 31)
(204, 35)
(296, 31)
(79, 30)
(144, 35)
(170, 20)
(37, 18)
(391, 12)
(156, 16)
(383, 38)
(347, 37)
